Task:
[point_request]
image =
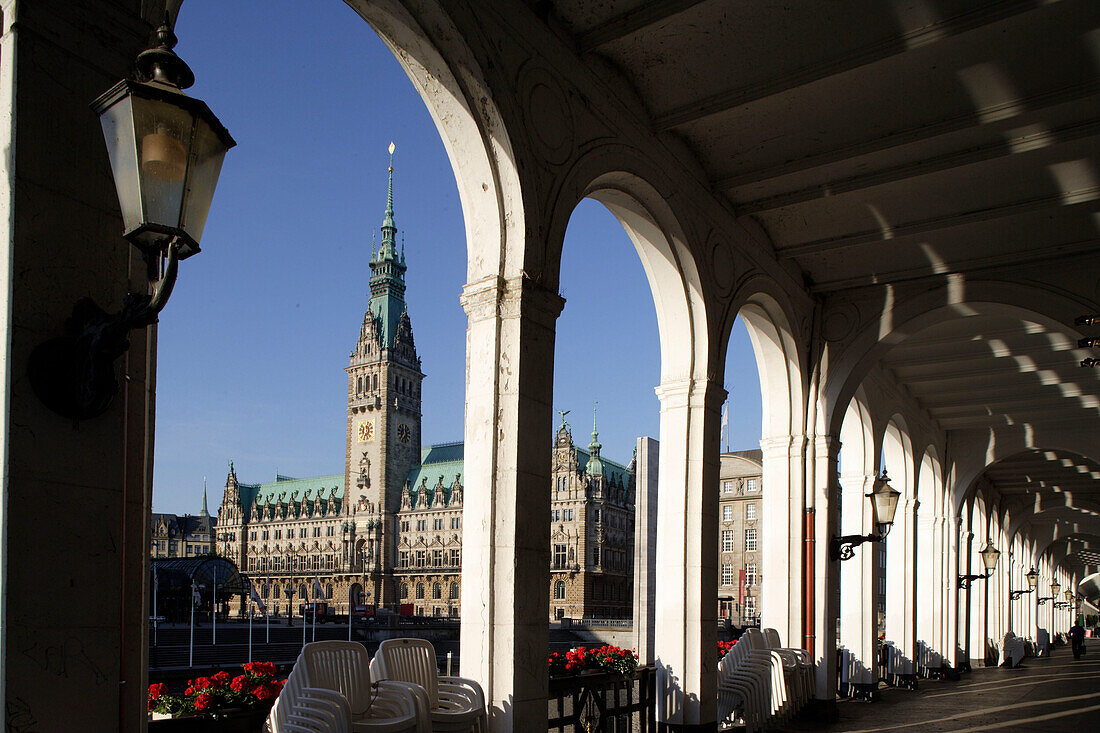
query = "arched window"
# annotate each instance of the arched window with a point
(302, 592)
(376, 382)
(404, 590)
(328, 591)
(437, 591)
(559, 590)
(358, 385)
(420, 591)
(265, 591)
(454, 591)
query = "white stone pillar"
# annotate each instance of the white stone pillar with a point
(687, 554)
(505, 528)
(645, 547)
(783, 507)
(927, 596)
(820, 638)
(901, 582)
(858, 582)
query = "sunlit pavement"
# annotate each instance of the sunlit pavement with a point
(1048, 694)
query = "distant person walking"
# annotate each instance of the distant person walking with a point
(1077, 639)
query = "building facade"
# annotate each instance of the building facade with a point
(172, 535)
(387, 532)
(740, 500)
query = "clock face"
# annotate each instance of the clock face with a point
(366, 431)
(404, 433)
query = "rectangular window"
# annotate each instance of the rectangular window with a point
(750, 512)
(569, 515)
(727, 540)
(437, 558)
(557, 515)
(750, 484)
(456, 557)
(316, 531)
(456, 522)
(727, 487)
(278, 534)
(595, 556)
(750, 540)
(559, 556)
(750, 606)
(403, 559)
(727, 513)
(265, 535)
(252, 535)
(421, 525)
(330, 531)
(750, 574)
(404, 525)
(727, 574)
(421, 558)
(437, 524)
(290, 534)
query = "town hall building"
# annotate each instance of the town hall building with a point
(387, 532)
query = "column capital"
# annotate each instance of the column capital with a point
(783, 446)
(494, 296)
(681, 392)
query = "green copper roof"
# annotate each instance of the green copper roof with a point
(387, 279)
(288, 490)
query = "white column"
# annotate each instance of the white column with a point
(901, 582)
(687, 554)
(928, 597)
(783, 506)
(858, 583)
(505, 539)
(645, 548)
(824, 575)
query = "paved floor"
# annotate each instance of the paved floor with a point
(1045, 694)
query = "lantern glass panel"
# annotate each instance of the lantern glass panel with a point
(990, 555)
(163, 132)
(884, 502)
(207, 154)
(118, 132)
(1054, 588)
(1032, 579)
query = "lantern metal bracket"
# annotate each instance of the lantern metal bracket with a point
(1015, 594)
(1041, 601)
(844, 547)
(74, 374)
(966, 580)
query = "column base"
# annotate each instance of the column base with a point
(905, 681)
(867, 691)
(823, 711)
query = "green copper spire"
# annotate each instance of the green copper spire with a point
(387, 279)
(595, 466)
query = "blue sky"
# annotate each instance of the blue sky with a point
(256, 336)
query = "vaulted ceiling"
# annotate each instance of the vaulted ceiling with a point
(897, 141)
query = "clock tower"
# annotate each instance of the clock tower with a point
(384, 378)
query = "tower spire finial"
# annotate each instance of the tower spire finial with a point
(205, 512)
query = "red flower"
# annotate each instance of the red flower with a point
(238, 683)
(219, 680)
(203, 701)
(156, 690)
(265, 692)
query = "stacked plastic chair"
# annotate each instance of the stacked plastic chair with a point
(751, 680)
(798, 666)
(329, 690)
(453, 703)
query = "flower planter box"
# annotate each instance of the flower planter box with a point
(244, 721)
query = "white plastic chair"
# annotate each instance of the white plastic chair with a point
(746, 684)
(454, 703)
(382, 707)
(799, 662)
(301, 709)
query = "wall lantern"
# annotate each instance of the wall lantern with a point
(1032, 579)
(884, 502)
(990, 555)
(166, 151)
(1054, 589)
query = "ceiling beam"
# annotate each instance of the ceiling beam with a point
(1003, 115)
(976, 17)
(1062, 418)
(991, 151)
(1080, 197)
(632, 21)
(962, 267)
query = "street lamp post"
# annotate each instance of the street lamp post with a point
(884, 502)
(990, 555)
(1032, 578)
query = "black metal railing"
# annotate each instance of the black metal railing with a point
(604, 702)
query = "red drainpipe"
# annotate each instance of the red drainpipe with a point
(808, 581)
